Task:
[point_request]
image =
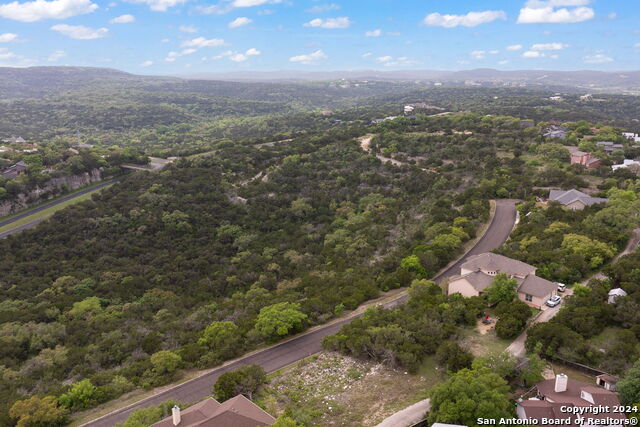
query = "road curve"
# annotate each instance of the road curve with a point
(49, 205)
(292, 350)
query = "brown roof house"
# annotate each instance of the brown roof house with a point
(478, 272)
(574, 200)
(558, 398)
(236, 412)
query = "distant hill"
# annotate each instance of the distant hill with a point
(595, 80)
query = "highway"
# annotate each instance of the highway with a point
(48, 205)
(306, 344)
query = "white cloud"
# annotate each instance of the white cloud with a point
(478, 54)
(504, 62)
(555, 12)
(310, 58)
(165, 41)
(252, 52)
(240, 22)
(366, 55)
(38, 10)
(188, 29)
(637, 45)
(533, 54)
(147, 64)
(390, 61)
(172, 56)
(227, 6)
(123, 19)
(549, 46)
(6, 53)
(238, 57)
(80, 32)
(374, 33)
(56, 55)
(223, 54)
(199, 42)
(514, 47)
(612, 15)
(159, 5)
(324, 8)
(471, 19)
(597, 59)
(330, 23)
(8, 37)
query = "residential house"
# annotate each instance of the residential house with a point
(626, 163)
(631, 136)
(5, 149)
(586, 97)
(556, 98)
(14, 140)
(236, 412)
(587, 160)
(556, 131)
(479, 271)
(609, 146)
(554, 396)
(614, 294)
(574, 200)
(14, 171)
(608, 382)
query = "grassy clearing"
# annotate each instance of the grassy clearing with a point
(46, 213)
(334, 390)
(482, 344)
(606, 338)
(574, 374)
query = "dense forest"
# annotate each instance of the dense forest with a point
(280, 216)
(172, 264)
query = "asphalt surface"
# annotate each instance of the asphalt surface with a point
(47, 206)
(297, 348)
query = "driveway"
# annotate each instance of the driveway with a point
(408, 416)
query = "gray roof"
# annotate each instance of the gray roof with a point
(477, 279)
(501, 264)
(536, 286)
(566, 197)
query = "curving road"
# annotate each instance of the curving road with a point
(304, 345)
(49, 205)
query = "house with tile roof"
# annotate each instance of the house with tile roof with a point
(587, 160)
(236, 412)
(556, 397)
(478, 272)
(574, 200)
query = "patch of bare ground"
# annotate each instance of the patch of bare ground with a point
(335, 390)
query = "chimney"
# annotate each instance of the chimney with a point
(175, 413)
(561, 383)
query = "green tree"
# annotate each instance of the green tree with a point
(147, 416)
(165, 362)
(81, 396)
(245, 380)
(468, 395)
(629, 386)
(38, 412)
(284, 421)
(533, 372)
(222, 338)
(502, 289)
(453, 357)
(412, 263)
(279, 319)
(502, 363)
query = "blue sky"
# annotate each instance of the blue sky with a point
(184, 36)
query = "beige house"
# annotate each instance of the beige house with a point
(479, 271)
(574, 200)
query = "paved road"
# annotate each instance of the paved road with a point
(299, 347)
(47, 206)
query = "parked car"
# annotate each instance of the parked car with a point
(553, 301)
(561, 287)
